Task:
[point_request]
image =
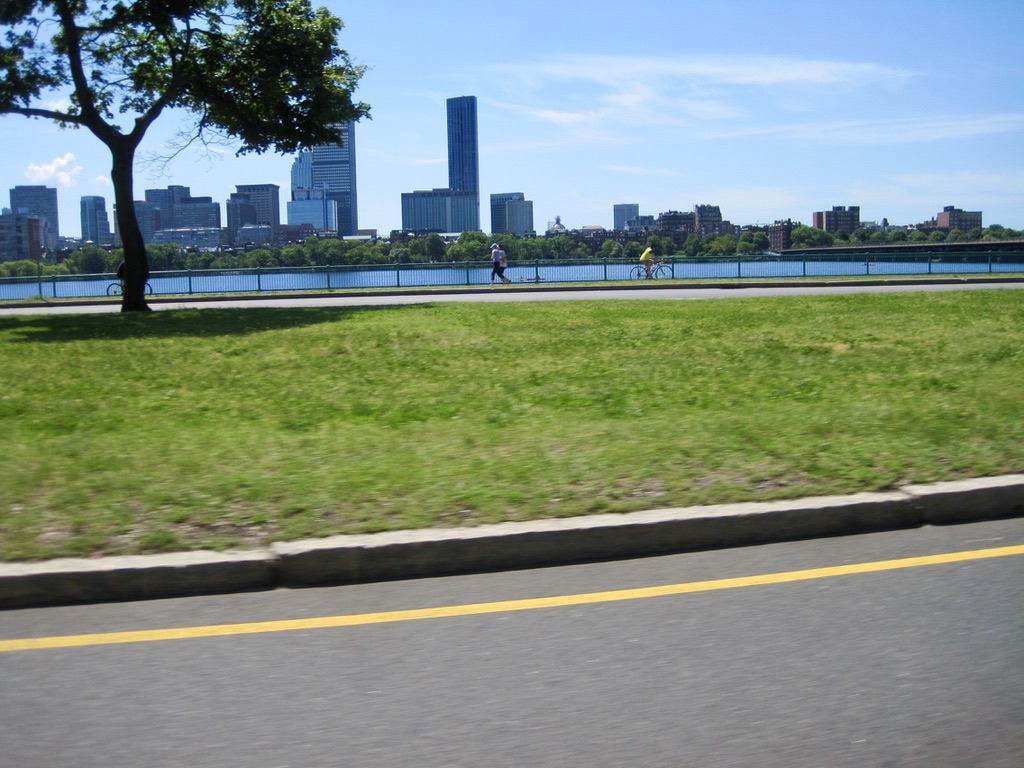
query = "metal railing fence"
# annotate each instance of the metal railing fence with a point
(191, 282)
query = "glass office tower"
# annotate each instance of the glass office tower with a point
(332, 169)
(463, 155)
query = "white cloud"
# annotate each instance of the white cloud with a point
(887, 131)
(681, 92)
(61, 170)
(709, 70)
(637, 170)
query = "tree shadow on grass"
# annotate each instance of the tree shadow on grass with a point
(197, 323)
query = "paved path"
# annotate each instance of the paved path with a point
(664, 291)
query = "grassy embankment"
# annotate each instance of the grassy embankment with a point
(219, 428)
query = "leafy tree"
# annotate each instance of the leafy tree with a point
(529, 249)
(416, 251)
(164, 257)
(694, 245)
(724, 245)
(898, 235)
(435, 247)
(558, 247)
(268, 74)
(88, 260)
(938, 236)
(955, 235)
(610, 250)
(810, 237)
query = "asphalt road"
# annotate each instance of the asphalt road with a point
(904, 663)
(672, 291)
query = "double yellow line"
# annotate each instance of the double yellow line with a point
(503, 606)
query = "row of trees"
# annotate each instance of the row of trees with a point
(809, 237)
(471, 246)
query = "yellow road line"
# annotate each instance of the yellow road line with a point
(503, 606)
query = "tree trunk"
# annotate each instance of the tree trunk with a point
(136, 263)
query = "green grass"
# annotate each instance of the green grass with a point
(225, 428)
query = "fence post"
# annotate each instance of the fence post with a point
(188, 275)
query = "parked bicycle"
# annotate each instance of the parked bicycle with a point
(658, 270)
(117, 288)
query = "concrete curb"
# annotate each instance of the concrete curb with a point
(504, 546)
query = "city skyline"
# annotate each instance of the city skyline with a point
(769, 113)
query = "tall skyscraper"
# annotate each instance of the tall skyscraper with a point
(464, 154)
(95, 222)
(39, 202)
(331, 168)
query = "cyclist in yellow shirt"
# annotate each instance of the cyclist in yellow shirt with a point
(649, 258)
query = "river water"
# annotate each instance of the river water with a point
(194, 282)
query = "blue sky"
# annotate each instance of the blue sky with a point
(768, 110)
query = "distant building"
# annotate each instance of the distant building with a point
(623, 214)
(680, 223)
(439, 210)
(839, 218)
(255, 234)
(149, 217)
(330, 169)
(455, 208)
(20, 237)
(954, 218)
(197, 213)
(166, 202)
(556, 227)
(95, 222)
(780, 234)
(511, 212)
(314, 207)
(464, 155)
(519, 215)
(241, 212)
(190, 237)
(267, 200)
(39, 202)
(708, 218)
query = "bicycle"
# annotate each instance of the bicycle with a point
(117, 288)
(658, 270)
